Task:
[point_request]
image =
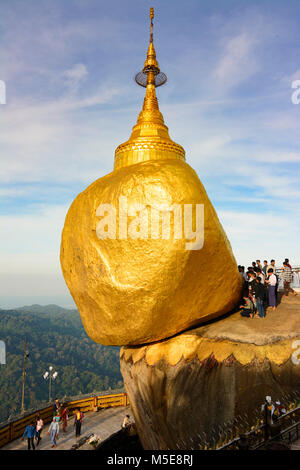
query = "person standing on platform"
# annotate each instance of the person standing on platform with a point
(244, 274)
(288, 263)
(272, 266)
(272, 281)
(261, 275)
(78, 422)
(56, 407)
(268, 409)
(251, 281)
(64, 418)
(258, 264)
(259, 292)
(39, 428)
(30, 433)
(126, 422)
(287, 276)
(251, 277)
(53, 431)
(264, 269)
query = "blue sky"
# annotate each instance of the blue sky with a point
(69, 65)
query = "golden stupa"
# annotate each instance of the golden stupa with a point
(143, 252)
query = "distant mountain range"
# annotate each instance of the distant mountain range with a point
(44, 309)
(55, 336)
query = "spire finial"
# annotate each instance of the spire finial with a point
(151, 26)
(151, 64)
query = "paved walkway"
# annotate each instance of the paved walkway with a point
(103, 423)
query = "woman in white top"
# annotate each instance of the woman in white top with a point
(272, 281)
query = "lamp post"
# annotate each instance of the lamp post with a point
(26, 354)
(51, 376)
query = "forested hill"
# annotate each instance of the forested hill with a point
(56, 337)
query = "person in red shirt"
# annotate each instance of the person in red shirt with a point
(64, 418)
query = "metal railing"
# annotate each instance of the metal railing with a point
(226, 436)
(14, 429)
(255, 437)
(289, 435)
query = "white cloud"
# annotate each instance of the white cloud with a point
(44, 141)
(280, 187)
(238, 61)
(211, 146)
(277, 156)
(75, 76)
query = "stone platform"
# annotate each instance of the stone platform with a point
(104, 423)
(204, 377)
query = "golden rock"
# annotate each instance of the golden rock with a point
(143, 252)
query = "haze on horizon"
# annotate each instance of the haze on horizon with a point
(71, 100)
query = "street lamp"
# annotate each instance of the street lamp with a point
(51, 376)
(26, 355)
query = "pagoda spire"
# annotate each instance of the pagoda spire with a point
(150, 138)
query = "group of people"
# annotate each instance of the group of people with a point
(271, 414)
(261, 286)
(60, 415)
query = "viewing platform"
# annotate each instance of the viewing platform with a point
(103, 423)
(103, 416)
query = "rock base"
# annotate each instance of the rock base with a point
(196, 381)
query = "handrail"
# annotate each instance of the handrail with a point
(281, 433)
(15, 428)
(295, 269)
(259, 428)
